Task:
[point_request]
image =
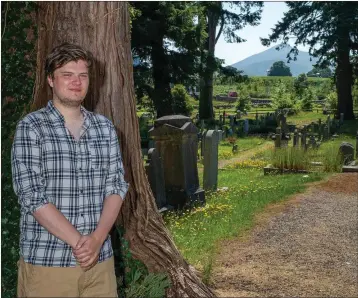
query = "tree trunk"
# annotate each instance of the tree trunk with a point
(104, 29)
(162, 97)
(344, 74)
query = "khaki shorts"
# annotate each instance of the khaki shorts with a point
(41, 281)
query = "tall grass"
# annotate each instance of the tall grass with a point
(332, 159)
(291, 158)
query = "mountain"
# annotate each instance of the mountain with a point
(258, 64)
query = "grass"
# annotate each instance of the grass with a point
(230, 211)
(304, 118)
(244, 144)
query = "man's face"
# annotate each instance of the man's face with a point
(70, 83)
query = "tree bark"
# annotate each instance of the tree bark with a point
(344, 74)
(162, 97)
(104, 29)
(206, 111)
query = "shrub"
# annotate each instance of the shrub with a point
(181, 100)
(281, 98)
(244, 101)
(332, 100)
(332, 159)
(308, 97)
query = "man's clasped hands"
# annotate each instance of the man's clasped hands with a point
(87, 251)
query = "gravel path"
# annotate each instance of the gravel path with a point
(306, 247)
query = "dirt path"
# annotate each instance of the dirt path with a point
(245, 155)
(306, 247)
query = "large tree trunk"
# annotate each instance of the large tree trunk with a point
(103, 28)
(206, 110)
(162, 97)
(344, 74)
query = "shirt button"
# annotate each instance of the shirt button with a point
(81, 190)
(82, 214)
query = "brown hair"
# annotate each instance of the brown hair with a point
(65, 53)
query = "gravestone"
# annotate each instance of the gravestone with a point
(155, 174)
(325, 133)
(303, 137)
(341, 118)
(238, 114)
(210, 179)
(235, 148)
(176, 141)
(347, 151)
(246, 126)
(278, 136)
(319, 129)
(329, 126)
(295, 138)
(221, 120)
(221, 135)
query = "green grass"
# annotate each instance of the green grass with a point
(305, 118)
(244, 144)
(229, 213)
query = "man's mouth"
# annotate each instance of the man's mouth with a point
(76, 90)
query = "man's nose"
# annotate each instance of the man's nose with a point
(76, 80)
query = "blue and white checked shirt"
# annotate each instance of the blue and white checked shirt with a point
(50, 166)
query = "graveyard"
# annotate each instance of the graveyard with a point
(226, 175)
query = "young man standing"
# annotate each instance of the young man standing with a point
(69, 179)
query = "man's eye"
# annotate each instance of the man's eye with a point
(67, 75)
(84, 76)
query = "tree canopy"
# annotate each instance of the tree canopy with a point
(321, 72)
(279, 69)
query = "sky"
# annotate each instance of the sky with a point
(235, 52)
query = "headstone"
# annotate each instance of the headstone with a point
(295, 138)
(319, 129)
(176, 141)
(303, 137)
(155, 174)
(210, 179)
(312, 142)
(341, 118)
(221, 135)
(278, 137)
(235, 148)
(347, 151)
(246, 126)
(231, 117)
(329, 125)
(325, 133)
(238, 114)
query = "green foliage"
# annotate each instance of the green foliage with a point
(320, 72)
(138, 282)
(300, 84)
(291, 158)
(308, 97)
(244, 101)
(279, 69)
(181, 100)
(332, 100)
(17, 69)
(332, 158)
(281, 98)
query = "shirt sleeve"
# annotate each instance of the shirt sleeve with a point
(28, 183)
(115, 183)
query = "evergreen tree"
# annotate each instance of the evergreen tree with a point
(331, 31)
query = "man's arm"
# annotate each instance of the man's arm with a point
(29, 185)
(57, 224)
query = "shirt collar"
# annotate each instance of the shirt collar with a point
(55, 114)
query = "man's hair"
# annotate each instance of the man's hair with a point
(65, 53)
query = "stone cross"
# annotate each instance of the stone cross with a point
(303, 137)
(210, 180)
(325, 133)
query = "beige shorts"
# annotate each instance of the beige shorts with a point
(41, 281)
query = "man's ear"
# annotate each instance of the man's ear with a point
(50, 80)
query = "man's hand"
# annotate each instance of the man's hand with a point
(87, 250)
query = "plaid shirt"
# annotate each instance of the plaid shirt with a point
(50, 166)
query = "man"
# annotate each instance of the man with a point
(69, 178)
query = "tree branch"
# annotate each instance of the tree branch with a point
(7, 8)
(221, 29)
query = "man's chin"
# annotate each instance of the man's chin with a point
(72, 102)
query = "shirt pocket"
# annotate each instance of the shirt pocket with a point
(99, 150)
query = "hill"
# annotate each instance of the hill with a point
(258, 64)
